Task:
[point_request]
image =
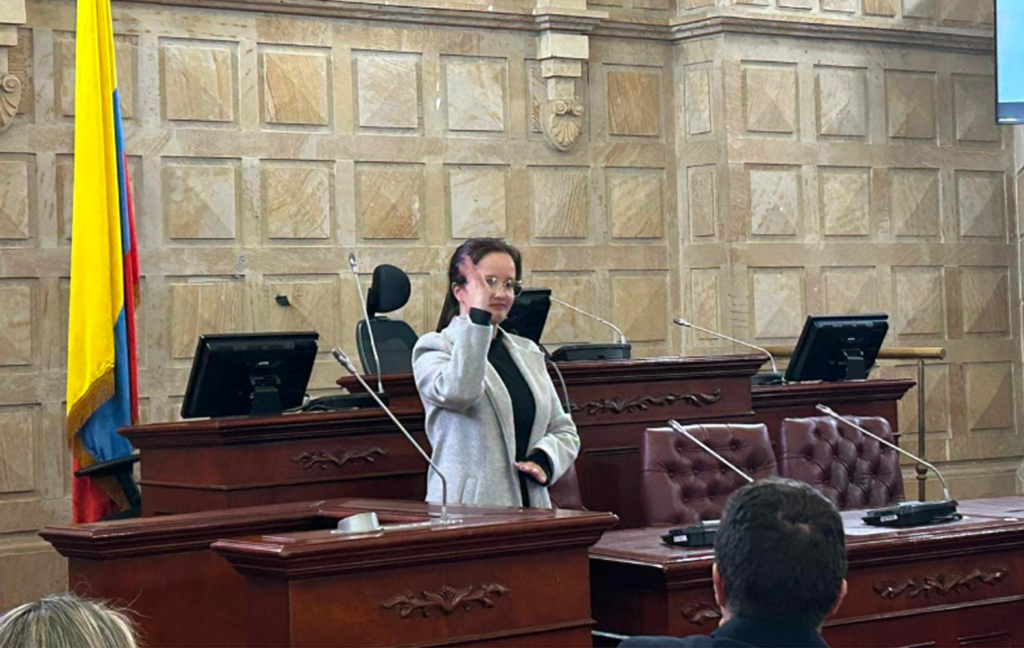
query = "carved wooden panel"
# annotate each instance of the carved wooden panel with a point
(779, 306)
(910, 104)
(840, 6)
(770, 98)
(850, 290)
(974, 101)
(887, 8)
(387, 90)
(201, 305)
(20, 63)
(776, 204)
(704, 301)
(914, 202)
(842, 101)
(698, 99)
(18, 429)
(980, 204)
(17, 192)
(985, 301)
(477, 202)
(565, 325)
(702, 201)
(19, 322)
(990, 395)
(311, 304)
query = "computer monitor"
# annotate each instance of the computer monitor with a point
(837, 347)
(529, 313)
(249, 373)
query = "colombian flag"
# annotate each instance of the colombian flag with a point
(102, 393)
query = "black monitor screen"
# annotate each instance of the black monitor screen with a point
(249, 373)
(529, 314)
(837, 347)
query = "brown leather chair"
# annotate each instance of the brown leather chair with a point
(680, 483)
(565, 493)
(848, 467)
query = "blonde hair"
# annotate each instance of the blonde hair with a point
(66, 621)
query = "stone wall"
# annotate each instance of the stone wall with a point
(744, 164)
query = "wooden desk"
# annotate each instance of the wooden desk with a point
(958, 584)
(276, 576)
(246, 461)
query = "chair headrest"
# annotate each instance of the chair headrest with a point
(390, 290)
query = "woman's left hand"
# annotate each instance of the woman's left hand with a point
(533, 470)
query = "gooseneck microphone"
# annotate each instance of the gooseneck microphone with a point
(344, 361)
(910, 513)
(622, 336)
(354, 265)
(773, 378)
(678, 427)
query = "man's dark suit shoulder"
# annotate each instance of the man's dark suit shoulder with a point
(740, 633)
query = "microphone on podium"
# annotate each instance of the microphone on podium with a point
(590, 352)
(762, 378)
(909, 513)
(344, 361)
(701, 534)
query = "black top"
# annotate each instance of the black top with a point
(740, 633)
(524, 408)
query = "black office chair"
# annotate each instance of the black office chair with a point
(395, 339)
(121, 469)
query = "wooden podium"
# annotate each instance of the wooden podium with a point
(276, 575)
(247, 461)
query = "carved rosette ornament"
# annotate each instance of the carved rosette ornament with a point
(10, 99)
(619, 405)
(561, 120)
(447, 600)
(325, 458)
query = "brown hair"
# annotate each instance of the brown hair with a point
(475, 249)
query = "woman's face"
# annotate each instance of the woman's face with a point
(498, 270)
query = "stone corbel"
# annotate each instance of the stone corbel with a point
(561, 48)
(12, 14)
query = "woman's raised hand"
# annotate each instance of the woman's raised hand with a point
(478, 293)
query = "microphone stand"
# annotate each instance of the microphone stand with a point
(344, 361)
(773, 378)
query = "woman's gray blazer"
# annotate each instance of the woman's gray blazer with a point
(469, 417)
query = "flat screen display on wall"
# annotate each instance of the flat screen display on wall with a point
(1010, 61)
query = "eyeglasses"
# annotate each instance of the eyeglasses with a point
(514, 288)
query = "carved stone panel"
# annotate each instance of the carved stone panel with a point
(387, 88)
(842, 102)
(200, 199)
(845, 201)
(974, 101)
(702, 200)
(634, 101)
(775, 200)
(635, 203)
(981, 204)
(910, 104)
(914, 202)
(20, 64)
(17, 449)
(965, 11)
(885, 8)
(920, 8)
(297, 200)
(770, 98)
(840, 6)
(477, 201)
(565, 325)
(17, 177)
(990, 395)
(849, 291)
(201, 305)
(779, 302)
(296, 87)
(18, 322)
(199, 80)
(475, 89)
(641, 307)
(920, 301)
(390, 200)
(560, 202)
(704, 302)
(985, 295)
(312, 305)
(697, 81)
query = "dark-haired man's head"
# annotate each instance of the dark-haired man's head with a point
(780, 554)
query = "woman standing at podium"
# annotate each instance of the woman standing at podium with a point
(493, 417)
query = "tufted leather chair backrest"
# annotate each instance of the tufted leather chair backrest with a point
(680, 483)
(851, 469)
(565, 493)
